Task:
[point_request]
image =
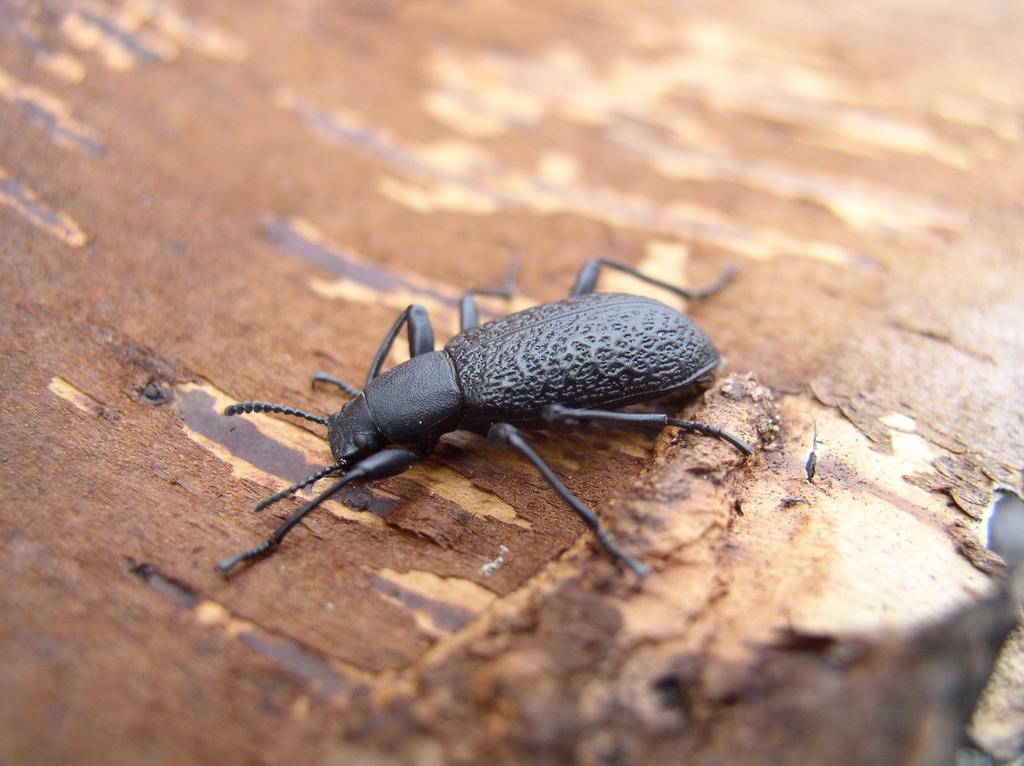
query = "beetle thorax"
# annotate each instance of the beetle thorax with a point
(416, 401)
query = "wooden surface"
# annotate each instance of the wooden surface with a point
(208, 201)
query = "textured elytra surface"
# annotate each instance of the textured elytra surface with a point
(596, 350)
(205, 201)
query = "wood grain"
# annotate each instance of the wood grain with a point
(208, 201)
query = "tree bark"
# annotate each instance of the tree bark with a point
(207, 202)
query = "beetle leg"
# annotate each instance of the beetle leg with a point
(586, 280)
(468, 314)
(324, 377)
(421, 337)
(643, 421)
(504, 433)
(379, 465)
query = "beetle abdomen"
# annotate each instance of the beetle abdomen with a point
(599, 350)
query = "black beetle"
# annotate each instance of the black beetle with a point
(553, 363)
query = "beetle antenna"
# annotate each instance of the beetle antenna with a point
(240, 407)
(268, 501)
(379, 465)
(266, 546)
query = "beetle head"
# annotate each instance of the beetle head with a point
(352, 432)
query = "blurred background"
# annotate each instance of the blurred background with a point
(205, 202)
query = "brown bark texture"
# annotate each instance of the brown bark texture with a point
(202, 202)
